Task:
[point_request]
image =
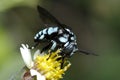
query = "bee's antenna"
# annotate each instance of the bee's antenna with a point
(86, 52)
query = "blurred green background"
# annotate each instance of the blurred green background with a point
(96, 24)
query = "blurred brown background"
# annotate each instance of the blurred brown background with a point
(96, 24)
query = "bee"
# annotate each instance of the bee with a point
(58, 36)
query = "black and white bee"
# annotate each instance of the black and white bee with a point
(58, 36)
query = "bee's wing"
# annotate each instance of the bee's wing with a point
(48, 18)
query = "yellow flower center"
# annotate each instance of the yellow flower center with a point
(50, 66)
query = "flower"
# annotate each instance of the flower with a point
(27, 58)
(43, 66)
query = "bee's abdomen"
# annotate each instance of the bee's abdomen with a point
(46, 33)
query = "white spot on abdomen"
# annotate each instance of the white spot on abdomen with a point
(52, 30)
(36, 36)
(63, 39)
(44, 31)
(41, 37)
(66, 44)
(40, 33)
(72, 38)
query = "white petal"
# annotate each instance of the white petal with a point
(37, 74)
(26, 55)
(36, 54)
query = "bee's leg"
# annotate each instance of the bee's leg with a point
(62, 63)
(46, 47)
(54, 45)
(49, 55)
(50, 47)
(35, 45)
